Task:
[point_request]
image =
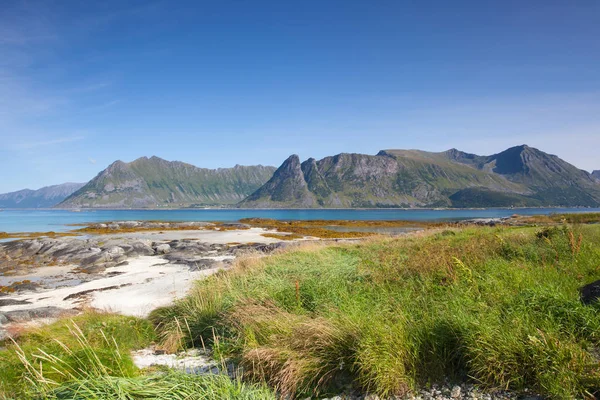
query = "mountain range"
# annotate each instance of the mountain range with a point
(518, 176)
(154, 182)
(42, 198)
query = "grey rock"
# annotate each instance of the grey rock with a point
(163, 248)
(116, 251)
(36, 313)
(456, 392)
(12, 302)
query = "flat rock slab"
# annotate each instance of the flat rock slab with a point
(35, 313)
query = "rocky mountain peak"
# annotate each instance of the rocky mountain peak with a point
(518, 176)
(288, 187)
(291, 163)
(116, 166)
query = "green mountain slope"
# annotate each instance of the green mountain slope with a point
(520, 176)
(551, 180)
(154, 182)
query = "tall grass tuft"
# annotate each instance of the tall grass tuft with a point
(162, 386)
(88, 346)
(80, 364)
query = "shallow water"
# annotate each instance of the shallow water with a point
(57, 220)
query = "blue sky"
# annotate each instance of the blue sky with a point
(219, 83)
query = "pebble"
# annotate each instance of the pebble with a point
(443, 392)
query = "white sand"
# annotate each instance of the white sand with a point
(252, 235)
(146, 283)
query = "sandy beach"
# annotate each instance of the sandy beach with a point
(118, 282)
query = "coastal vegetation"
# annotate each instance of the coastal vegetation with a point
(495, 306)
(88, 357)
(498, 306)
(31, 235)
(570, 218)
(88, 346)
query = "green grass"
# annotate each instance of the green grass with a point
(161, 386)
(88, 358)
(92, 344)
(497, 306)
(571, 218)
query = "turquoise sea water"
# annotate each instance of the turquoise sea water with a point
(57, 220)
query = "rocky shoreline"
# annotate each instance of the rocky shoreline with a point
(44, 278)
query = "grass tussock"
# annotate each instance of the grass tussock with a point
(499, 306)
(161, 386)
(88, 358)
(85, 347)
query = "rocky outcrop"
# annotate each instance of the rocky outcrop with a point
(154, 182)
(94, 255)
(596, 175)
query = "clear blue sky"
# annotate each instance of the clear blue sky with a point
(215, 83)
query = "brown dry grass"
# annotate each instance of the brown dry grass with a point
(281, 236)
(213, 226)
(266, 222)
(552, 219)
(294, 353)
(34, 235)
(320, 228)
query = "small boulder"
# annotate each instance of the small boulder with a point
(590, 292)
(116, 251)
(456, 392)
(163, 248)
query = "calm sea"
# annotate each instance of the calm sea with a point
(58, 220)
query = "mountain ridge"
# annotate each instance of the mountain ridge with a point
(155, 182)
(518, 176)
(45, 197)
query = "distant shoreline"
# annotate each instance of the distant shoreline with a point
(75, 209)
